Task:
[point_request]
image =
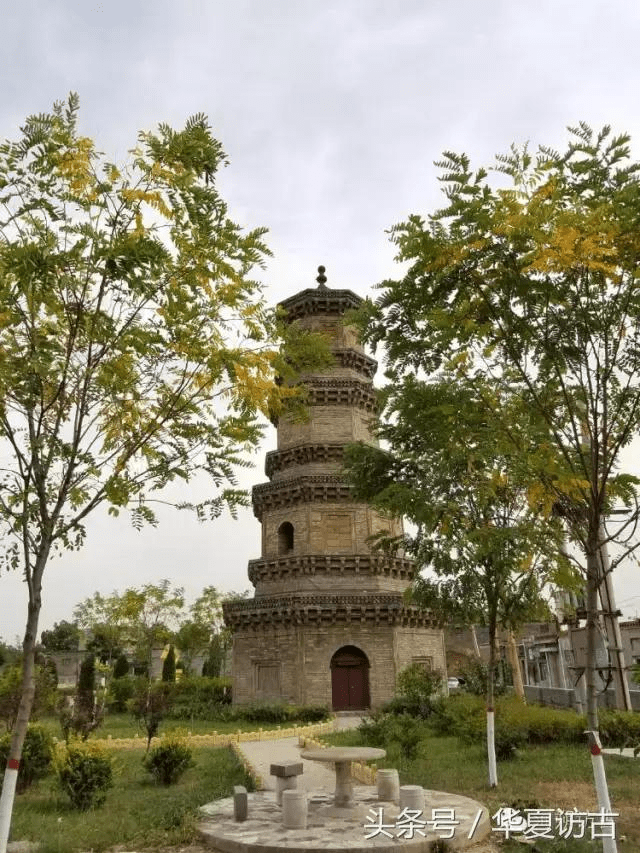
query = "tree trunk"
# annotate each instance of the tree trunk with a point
(476, 647)
(491, 745)
(597, 762)
(26, 700)
(512, 650)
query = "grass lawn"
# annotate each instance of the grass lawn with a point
(138, 812)
(552, 776)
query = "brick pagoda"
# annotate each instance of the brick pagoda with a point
(327, 623)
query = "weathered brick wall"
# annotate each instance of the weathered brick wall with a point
(329, 425)
(331, 528)
(344, 337)
(303, 657)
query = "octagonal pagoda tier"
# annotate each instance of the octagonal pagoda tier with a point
(320, 589)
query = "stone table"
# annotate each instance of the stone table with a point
(342, 756)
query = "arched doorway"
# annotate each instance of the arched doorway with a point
(285, 538)
(349, 679)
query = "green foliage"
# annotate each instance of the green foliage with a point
(620, 729)
(418, 686)
(515, 724)
(278, 713)
(382, 730)
(63, 637)
(476, 676)
(128, 312)
(169, 666)
(85, 774)
(82, 714)
(36, 759)
(150, 704)
(120, 691)
(169, 760)
(138, 814)
(121, 667)
(11, 692)
(87, 681)
(452, 715)
(199, 698)
(524, 291)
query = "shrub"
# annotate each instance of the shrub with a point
(121, 690)
(476, 677)
(11, 692)
(121, 667)
(150, 704)
(169, 666)
(83, 713)
(452, 715)
(382, 730)
(85, 775)
(169, 760)
(37, 755)
(199, 698)
(376, 729)
(417, 686)
(280, 713)
(311, 713)
(620, 728)
(400, 705)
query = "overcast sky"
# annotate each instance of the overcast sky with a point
(332, 114)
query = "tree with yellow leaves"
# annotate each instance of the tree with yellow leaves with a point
(135, 347)
(536, 285)
(453, 473)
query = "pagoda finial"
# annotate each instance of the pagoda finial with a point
(321, 279)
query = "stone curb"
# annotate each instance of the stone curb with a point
(215, 739)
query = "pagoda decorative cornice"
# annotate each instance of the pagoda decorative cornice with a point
(320, 300)
(341, 392)
(305, 454)
(321, 488)
(330, 564)
(356, 361)
(273, 611)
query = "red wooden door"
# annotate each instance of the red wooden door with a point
(349, 680)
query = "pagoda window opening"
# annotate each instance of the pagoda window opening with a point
(285, 538)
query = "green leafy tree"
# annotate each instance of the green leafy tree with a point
(151, 702)
(136, 347)
(450, 472)
(86, 712)
(169, 666)
(121, 667)
(204, 632)
(11, 693)
(141, 618)
(533, 281)
(63, 637)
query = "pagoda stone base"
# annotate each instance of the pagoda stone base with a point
(293, 663)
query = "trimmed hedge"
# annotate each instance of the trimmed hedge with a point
(465, 716)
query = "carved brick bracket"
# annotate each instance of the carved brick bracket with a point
(260, 613)
(336, 564)
(319, 488)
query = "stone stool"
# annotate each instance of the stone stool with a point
(294, 809)
(412, 797)
(240, 803)
(286, 773)
(388, 783)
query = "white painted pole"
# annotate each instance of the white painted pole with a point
(491, 749)
(602, 789)
(6, 804)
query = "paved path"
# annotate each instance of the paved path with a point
(316, 776)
